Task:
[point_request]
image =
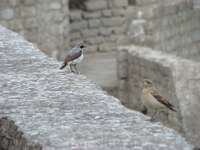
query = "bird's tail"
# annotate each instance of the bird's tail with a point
(63, 65)
(173, 109)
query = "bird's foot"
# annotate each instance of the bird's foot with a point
(73, 71)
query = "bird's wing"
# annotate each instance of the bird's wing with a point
(72, 57)
(161, 99)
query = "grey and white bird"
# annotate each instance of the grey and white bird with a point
(152, 99)
(74, 57)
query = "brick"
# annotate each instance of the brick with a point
(95, 40)
(79, 25)
(89, 15)
(28, 11)
(108, 46)
(122, 55)
(113, 21)
(147, 12)
(75, 35)
(123, 69)
(89, 32)
(120, 3)
(105, 31)
(75, 15)
(94, 23)
(96, 5)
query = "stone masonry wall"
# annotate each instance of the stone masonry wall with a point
(176, 78)
(100, 25)
(43, 107)
(43, 22)
(169, 26)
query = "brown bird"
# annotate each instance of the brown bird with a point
(74, 57)
(152, 99)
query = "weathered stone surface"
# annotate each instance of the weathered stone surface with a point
(16, 24)
(107, 13)
(14, 2)
(76, 26)
(94, 14)
(75, 35)
(114, 21)
(118, 12)
(120, 3)
(59, 110)
(173, 76)
(89, 32)
(7, 14)
(55, 5)
(75, 15)
(96, 5)
(107, 46)
(105, 31)
(95, 40)
(31, 23)
(28, 11)
(94, 23)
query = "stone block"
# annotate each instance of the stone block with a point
(29, 2)
(75, 15)
(14, 3)
(122, 55)
(7, 13)
(114, 21)
(118, 12)
(107, 12)
(121, 83)
(89, 32)
(95, 40)
(91, 48)
(16, 24)
(120, 3)
(4, 23)
(147, 12)
(105, 31)
(94, 23)
(79, 25)
(75, 35)
(94, 14)
(96, 5)
(171, 8)
(119, 30)
(28, 11)
(74, 42)
(30, 23)
(55, 5)
(106, 47)
(122, 69)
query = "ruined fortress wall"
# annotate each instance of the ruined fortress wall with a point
(43, 22)
(176, 78)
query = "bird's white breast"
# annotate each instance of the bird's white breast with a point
(76, 61)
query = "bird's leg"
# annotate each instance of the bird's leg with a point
(71, 68)
(152, 119)
(76, 69)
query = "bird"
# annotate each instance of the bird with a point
(152, 99)
(74, 57)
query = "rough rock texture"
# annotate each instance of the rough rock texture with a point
(56, 109)
(176, 78)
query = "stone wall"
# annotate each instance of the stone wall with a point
(176, 78)
(43, 22)
(99, 25)
(43, 107)
(170, 26)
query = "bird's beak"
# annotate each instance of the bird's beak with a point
(84, 46)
